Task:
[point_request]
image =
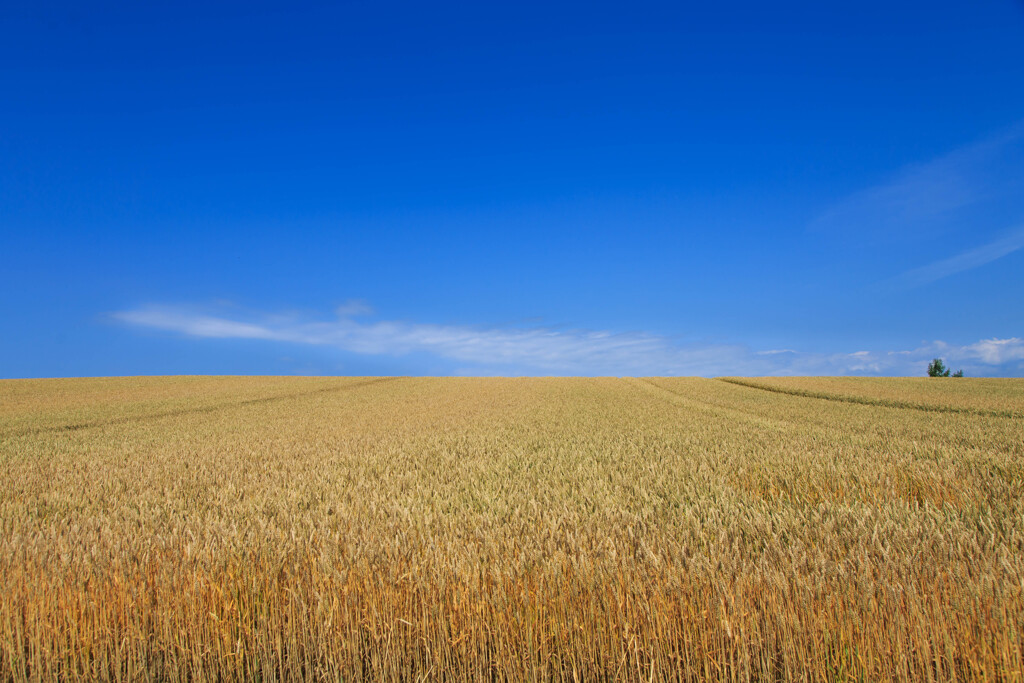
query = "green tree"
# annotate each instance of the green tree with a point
(938, 369)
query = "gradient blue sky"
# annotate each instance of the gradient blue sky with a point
(551, 188)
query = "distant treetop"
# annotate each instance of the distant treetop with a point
(938, 369)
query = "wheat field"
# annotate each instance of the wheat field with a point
(244, 528)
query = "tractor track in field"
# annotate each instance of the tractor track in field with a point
(127, 419)
(874, 402)
(681, 399)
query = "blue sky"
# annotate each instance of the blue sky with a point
(551, 188)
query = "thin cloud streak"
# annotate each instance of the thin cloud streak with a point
(967, 260)
(547, 351)
(948, 193)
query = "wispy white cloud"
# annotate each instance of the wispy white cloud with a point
(951, 192)
(997, 351)
(196, 324)
(539, 350)
(967, 260)
(353, 307)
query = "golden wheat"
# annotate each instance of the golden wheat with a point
(512, 529)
